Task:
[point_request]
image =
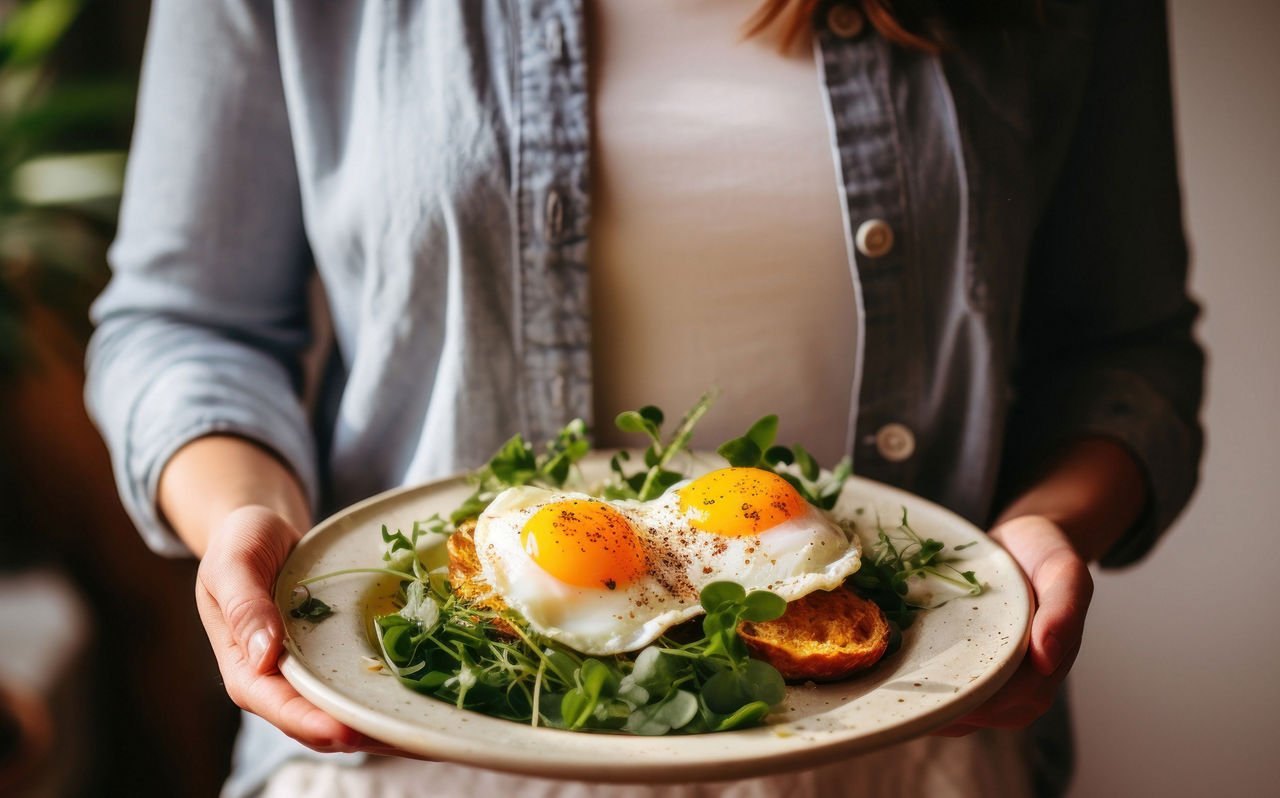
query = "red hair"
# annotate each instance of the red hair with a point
(903, 22)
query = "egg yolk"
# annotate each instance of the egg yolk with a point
(734, 502)
(584, 543)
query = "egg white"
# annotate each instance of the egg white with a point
(792, 559)
(590, 620)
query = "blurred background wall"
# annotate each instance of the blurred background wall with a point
(1174, 691)
(106, 684)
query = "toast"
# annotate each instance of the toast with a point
(822, 637)
(465, 578)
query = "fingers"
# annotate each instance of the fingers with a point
(233, 596)
(1062, 583)
(269, 694)
(1022, 699)
(1063, 589)
(237, 573)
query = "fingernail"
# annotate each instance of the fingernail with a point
(259, 642)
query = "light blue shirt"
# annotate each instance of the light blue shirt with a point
(430, 161)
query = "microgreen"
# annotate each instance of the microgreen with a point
(494, 663)
(756, 449)
(650, 482)
(311, 608)
(899, 556)
(516, 463)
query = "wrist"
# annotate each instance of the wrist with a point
(1093, 493)
(215, 477)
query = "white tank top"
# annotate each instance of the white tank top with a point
(718, 248)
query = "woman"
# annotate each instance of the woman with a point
(949, 246)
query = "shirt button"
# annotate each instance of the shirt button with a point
(554, 38)
(845, 21)
(874, 238)
(555, 216)
(895, 442)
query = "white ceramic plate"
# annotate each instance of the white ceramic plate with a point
(952, 659)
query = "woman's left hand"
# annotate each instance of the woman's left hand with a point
(1063, 588)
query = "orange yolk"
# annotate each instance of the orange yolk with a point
(739, 501)
(584, 543)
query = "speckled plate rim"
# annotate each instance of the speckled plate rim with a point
(953, 659)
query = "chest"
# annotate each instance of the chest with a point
(438, 135)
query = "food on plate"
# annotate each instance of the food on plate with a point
(823, 636)
(605, 577)
(465, 581)
(664, 600)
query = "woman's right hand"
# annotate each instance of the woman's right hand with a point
(240, 510)
(246, 551)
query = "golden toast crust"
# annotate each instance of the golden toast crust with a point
(824, 636)
(464, 575)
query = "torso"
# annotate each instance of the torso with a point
(718, 252)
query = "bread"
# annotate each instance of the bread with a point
(824, 636)
(465, 578)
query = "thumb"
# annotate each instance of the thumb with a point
(1062, 585)
(238, 571)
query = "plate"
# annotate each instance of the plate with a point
(951, 660)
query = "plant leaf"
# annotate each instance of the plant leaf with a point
(746, 715)
(764, 432)
(762, 682)
(763, 605)
(740, 452)
(808, 466)
(717, 594)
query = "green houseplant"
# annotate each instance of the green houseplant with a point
(68, 72)
(62, 152)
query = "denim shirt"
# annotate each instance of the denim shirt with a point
(430, 161)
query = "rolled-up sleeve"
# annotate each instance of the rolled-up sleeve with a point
(1107, 336)
(201, 325)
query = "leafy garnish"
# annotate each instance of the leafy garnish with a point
(656, 477)
(516, 463)
(311, 608)
(899, 556)
(476, 658)
(756, 449)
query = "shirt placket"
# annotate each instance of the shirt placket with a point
(855, 66)
(552, 200)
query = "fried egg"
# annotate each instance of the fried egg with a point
(606, 577)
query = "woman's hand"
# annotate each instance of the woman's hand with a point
(1073, 514)
(1063, 588)
(240, 510)
(233, 594)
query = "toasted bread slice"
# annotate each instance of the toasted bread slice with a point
(465, 578)
(824, 636)
(464, 565)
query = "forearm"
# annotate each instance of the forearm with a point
(1094, 492)
(212, 476)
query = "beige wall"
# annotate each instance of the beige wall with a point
(1176, 690)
